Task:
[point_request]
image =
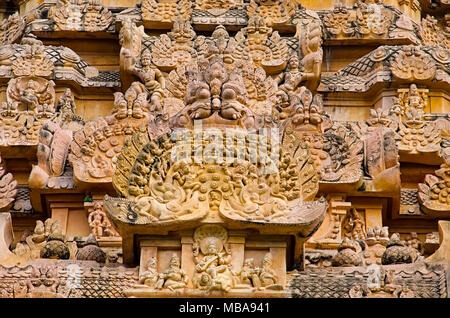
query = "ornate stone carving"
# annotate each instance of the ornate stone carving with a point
(349, 254)
(94, 149)
(54, 142)
(8, 188)
(310, 37)
(257, 43)
(276, 12)
(173, 277)
(99, 222)
(355, 225)
(90, 251)
(211, 258)
(175, 48)
(339, 22)
(413, 98)
(418, 64)
(432, 34)
(80, 15)
(47, 241)
(381, 283)
(413, 64)
(29, 101)
(33, 62)
(372, 19)
(418, 136)
(150, 276)
(162, 13)
(267, 276)
(397, 252)
(376, 241)
(366, 20)
(335, 149)
(434, 193)
(11, 28)
(216, 7)
(42, 283)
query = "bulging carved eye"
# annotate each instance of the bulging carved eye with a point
(228, 94)
(203, 93)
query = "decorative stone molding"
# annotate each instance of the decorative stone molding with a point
(365, 21)
(47, 241)
(163, 13)
(421, 64)
(66, 279)
(413, 64)
(99, 223)
(84, 15)
(275, 12)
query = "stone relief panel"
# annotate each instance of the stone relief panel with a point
(76, 15)
(94, 149)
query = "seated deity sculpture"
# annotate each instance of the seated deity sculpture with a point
(249, 275)
(212, 268)
(173, 277)
(29, 97)
(267, 275)
(414, 101)
(153, 79)
(150, 276)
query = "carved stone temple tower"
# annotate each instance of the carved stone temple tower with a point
(232, 148)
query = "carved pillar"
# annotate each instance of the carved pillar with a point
(279, 262)
(60, 214)
(187, 258)
(237, 247)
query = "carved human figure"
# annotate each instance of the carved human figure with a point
(249, 275)
(173, 277)
(267, 275)
(66, 106)
(150, 276)
(356, 226)
(213, 266)
(98, 221)
(29, 97)
(414, 101)
(153, 79)
(287, 93)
